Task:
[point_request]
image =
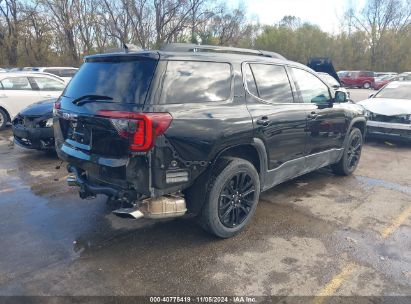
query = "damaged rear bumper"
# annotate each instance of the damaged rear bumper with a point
(90, 189)
(166, 206)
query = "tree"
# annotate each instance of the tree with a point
(9, 37)
(377, 19)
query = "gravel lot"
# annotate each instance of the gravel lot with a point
(317, 235)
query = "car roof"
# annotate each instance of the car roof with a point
(60, 68)
(28, 74)
(202, 56)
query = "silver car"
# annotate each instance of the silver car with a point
(389, 112)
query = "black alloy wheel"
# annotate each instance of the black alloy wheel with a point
(236, 200)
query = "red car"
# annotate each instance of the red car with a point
(359, 79)
(382, 81)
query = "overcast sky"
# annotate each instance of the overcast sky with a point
(325, 13)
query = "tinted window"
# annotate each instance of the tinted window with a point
(16, 83)
(194, 81)
(126, 81)
(48, 84)
(312, 89)
(250, 80)
(272, 83)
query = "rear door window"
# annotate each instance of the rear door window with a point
(273, 84)
(16, 83)
(48, 84)
(126, 80)
(196, 82)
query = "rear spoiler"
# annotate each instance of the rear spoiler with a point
(324, 65)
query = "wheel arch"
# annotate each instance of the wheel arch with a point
(7, 113)
(359, 123)
(253, 152)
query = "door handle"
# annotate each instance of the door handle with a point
(312, 115)
(263, 121)
(3, 96)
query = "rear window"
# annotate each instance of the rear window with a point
(126, 81)
(196, 82)
(273, 84)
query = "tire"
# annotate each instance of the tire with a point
(352, 153)
(4, 118)
(231, 199)
(366, 85)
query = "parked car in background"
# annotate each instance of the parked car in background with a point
(358, 79)
(406, 76)
(33, 127)
(342, 73)
(200, 129)
(389, 112)
(325, 70)
(380, 74)
(383, 80)
(20, 89)
(65, 73)
(332, 82)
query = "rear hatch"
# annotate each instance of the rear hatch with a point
(323, 65)
(92, 115)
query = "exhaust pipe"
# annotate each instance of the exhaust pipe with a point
(167, 206)
(72, 181)
(133, 213)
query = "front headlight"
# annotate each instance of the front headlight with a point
(49, 122)
(369, 115)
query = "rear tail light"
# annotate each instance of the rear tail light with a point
(56, 106)
(140, 128)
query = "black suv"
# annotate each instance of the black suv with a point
(200, 130)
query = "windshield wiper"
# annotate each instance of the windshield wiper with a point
(91, 98)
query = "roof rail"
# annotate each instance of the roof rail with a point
(189, 47)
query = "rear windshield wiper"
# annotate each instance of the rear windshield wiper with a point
(90, 98)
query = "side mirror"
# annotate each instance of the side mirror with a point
(340, 96)
(371, 95)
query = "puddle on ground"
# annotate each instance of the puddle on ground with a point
(373, 182)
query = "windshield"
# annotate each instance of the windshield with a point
(125, 81)
(395, 91)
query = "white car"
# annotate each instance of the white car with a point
(65, 73)
(389, 112)
(20, 89)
